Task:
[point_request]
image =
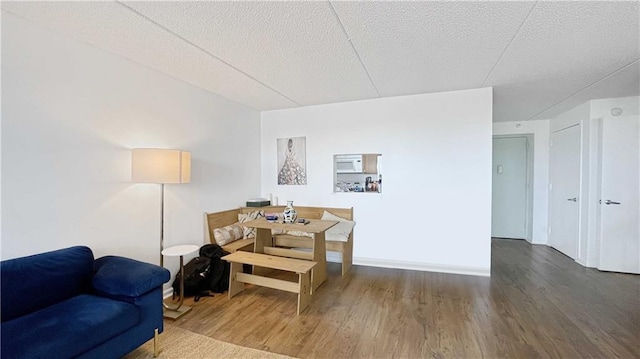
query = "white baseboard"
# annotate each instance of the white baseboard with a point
(425, 267)
(167, 293)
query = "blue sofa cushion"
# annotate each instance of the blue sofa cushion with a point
(38, 281)
(123, 277)
(67, 329)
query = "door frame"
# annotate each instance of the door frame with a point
(583, 186)
(594, 239)
(528, 218)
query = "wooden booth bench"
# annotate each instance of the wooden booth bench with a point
(230, 217)
(302, 267)
(223, 219)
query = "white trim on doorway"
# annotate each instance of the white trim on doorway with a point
(529, 138)
(539, 135)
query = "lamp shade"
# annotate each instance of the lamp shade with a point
(154, 165)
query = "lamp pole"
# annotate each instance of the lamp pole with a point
(161, 223)
(162, 166)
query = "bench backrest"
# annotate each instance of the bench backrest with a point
(229, 217)
(218, 220)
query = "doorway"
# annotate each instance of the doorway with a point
(620, 194)
(512, 193)
(564, 209)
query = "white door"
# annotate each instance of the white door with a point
(620, 210)
(509, 191)
(565, 189)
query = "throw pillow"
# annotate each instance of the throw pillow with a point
(228, 234)
(339, 232)
(300, 233)
(249, 232)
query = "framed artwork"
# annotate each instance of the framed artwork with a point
(292, 158)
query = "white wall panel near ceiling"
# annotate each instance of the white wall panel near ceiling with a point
(418, 47)
(561, 49)
(113, 27)
(297, 48)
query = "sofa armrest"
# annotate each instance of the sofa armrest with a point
(124, 277)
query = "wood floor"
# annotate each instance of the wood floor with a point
(537, 303)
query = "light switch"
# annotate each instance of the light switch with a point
(499, 169)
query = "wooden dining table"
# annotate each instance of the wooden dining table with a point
(264, 244)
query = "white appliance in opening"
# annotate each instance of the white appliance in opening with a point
(349, 163)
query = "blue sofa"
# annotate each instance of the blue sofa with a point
(65, 304)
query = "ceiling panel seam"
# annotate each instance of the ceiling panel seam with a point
(509, 44)
(205, 51)
(634, 62)
(346, 34)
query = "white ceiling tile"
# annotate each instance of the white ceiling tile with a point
(115, 28)
(539, 56)
(297, 48)
(561, 49)
(417, 47)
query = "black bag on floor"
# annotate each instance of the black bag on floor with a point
(196, 273)
(218, 278)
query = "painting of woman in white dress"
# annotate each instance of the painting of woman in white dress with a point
(292, 161)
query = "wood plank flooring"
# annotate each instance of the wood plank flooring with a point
(538, 303)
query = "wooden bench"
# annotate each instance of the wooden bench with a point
(225, 218)
(302, 267)
(344, 248)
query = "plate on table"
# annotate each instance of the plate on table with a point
(271, 219)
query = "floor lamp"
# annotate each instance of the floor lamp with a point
(162, 166)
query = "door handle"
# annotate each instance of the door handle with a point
(574, 199)
(610, 202)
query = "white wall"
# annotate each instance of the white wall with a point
(435, 209)
(71, 113)
(540, 131)
(602, 108)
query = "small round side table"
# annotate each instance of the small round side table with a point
(175, 251)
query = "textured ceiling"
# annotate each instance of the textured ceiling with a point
(542, 58)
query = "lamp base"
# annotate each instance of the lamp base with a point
(175, 314)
